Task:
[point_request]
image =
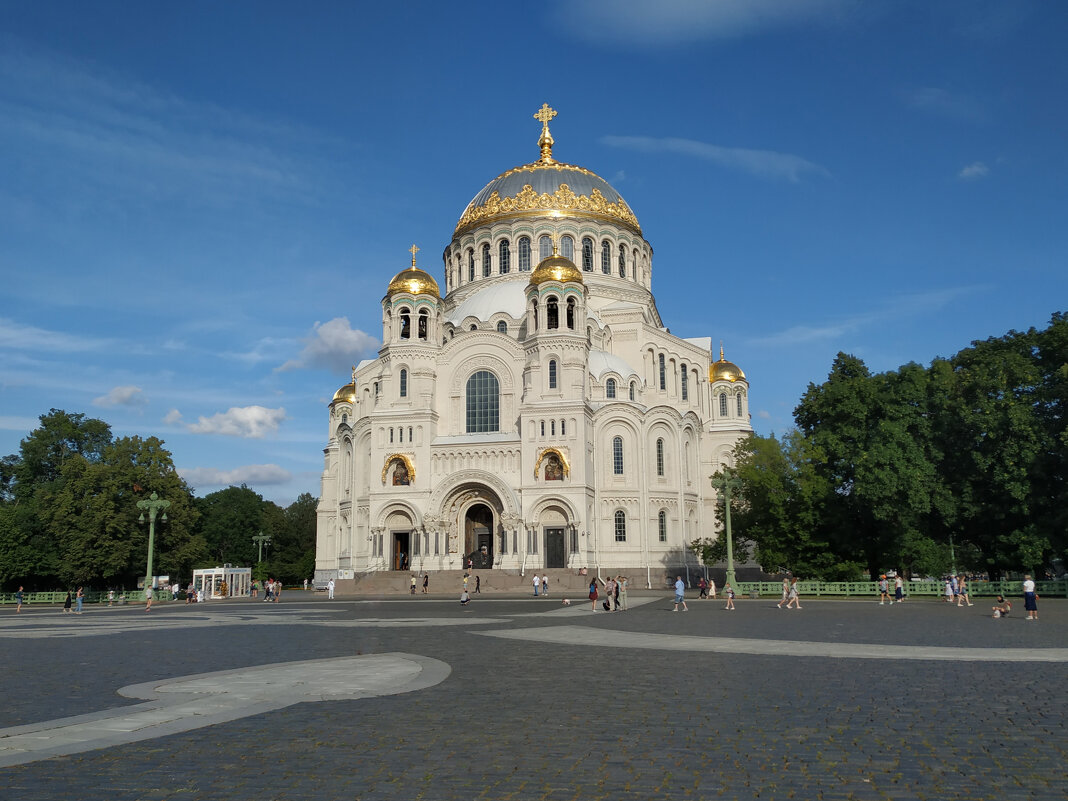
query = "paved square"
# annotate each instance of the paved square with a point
(517, 698)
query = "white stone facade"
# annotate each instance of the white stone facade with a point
(608, 427)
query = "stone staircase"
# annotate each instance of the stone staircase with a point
(563, 582)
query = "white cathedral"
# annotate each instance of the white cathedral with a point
(539, 414)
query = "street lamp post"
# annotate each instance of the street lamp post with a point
(262, 539)
(154, 505)
(726, 482)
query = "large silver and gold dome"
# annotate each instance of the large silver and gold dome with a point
(547, 188)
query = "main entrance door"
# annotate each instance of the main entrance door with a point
(478, 536)
(402, 552)
(555, 556)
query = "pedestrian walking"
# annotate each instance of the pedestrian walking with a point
(795, 598)
(621, 583)
(148, 597)
(478, 585)
(426, 583)
(111, 596)
(962, 592)
(712, 588)
(680, 594)
(465, 582)
(702, 588)
(18, 600)
(728, 593)
(609, 594)
(545, 585)
(413, 583)
(947, 592)
(785, 592)
(884, 591)
(537, 585)
(67, 603)
(593, 594)
(1030, 598)
(79, 598)
(899, 588)
(330, 590)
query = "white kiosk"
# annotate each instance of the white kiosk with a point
(223, 582)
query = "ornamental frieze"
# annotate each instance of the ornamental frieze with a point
(563, 199)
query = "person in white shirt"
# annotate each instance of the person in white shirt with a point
(1030, 599)
(330, 589)
(537, 585)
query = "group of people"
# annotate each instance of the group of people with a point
(615, 593)
(956, 591)
(790, 596)
(542, 583)
(884, 589)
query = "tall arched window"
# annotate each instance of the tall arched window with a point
(524, 254)
(606, 258)
(610, 389)
(470, 264)
(552, 313)
(406, 323)
(424, 322)
(545, 247)
(723, 404)
(483, 402)
(739, 404)
(660, 457)
(552, 373)
(685, 383)
(617, 456)
(587, 254)
(633, 391)
(502, 327)
(622, 261)
(563, 428)
(571, 314)
(663, 373)
(403, 383)
(485, 261)
(567, 247)
(621, 525)
(661, 525)
(504, 261)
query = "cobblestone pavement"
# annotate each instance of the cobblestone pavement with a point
(546, 702)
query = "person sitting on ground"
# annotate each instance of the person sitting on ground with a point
(1002, 607)
(464, 598)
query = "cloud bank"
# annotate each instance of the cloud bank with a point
(252, 422)
(253, 474)
(333, 345)
(122, 396)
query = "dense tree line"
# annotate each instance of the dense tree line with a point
(891, 470)
(68, 514)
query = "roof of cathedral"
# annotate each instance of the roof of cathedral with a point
(508, 297)
(414, 280)
(555, 268)
(724, 370)
(602, 362)
(547, 188)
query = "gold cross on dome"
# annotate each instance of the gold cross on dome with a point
(545, 114)
(413, 250)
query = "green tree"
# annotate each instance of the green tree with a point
(230, 518)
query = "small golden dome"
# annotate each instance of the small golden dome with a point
(347, 394)
(555, 268)
(724, 370)
(415, 281)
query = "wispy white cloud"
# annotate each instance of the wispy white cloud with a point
(656, 23)
(900, 307)
(16, 336)
(253, 422)
(974, 170)
(253, 474)
(333, 345)
(763, 163)
(128, 395)
(173, 417)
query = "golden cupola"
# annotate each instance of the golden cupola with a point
(347, 394)
(414, 281)
(724, 370)
(547, 188)
(555, 268)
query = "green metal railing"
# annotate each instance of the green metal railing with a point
(850, 589)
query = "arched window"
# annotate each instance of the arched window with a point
(524, 254)
(470, 264)
(661, 525)
(617, 456)
(723, 404)
(571, 314)
(552, 373)
(663, 373)
(563, 428)
(587, 254)
(534, 310)
(552, 428)
(543, 428)
(606, 258)
(424, 319)
(633, 391)
(567, 248)
(406, 323)
(502, 327)
(660, 457)
(400, 434)
(545, 247)
(404, 383)
(344, 419)
(739, 404)
(485, 261)
(552, 313)
(504, 262)
(483, 402)
(622, 261)
(610, 389)
(621, 525)
(685, 383)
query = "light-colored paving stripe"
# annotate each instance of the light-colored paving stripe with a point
(586, 636)
(192, 702)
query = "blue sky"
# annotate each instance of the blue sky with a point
(201, 204)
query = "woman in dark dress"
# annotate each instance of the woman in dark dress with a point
(67, 603)
(593, 594)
